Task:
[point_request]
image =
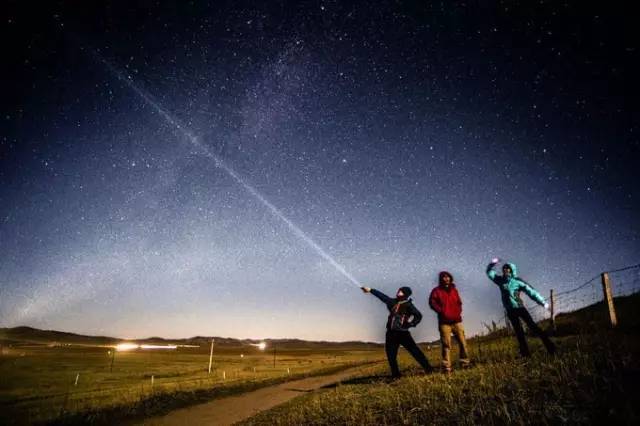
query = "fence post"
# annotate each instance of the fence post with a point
(608, 298)
(552, 302)
(211, 356)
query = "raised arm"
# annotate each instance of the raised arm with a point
(383, 297)
(490, 272)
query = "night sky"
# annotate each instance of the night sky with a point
(401, 138)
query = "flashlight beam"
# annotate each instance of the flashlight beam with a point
(222, 165)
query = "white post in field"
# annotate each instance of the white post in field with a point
(210, 356)
(77, 377)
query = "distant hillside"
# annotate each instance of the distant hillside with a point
(582, 320)
(588, 319)
(33, 335)
(29, 335)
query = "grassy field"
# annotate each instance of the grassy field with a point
(39, 380)
(593, 380)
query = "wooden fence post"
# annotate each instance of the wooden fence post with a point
(552, 302)
(608, 298)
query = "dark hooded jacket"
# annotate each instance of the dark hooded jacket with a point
(446, 302)
(402, 314)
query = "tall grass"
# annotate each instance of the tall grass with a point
(594, 379)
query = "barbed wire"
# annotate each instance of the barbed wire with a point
(580, 287)
(623, 269)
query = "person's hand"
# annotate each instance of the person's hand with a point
(366, 289)
(495, 260)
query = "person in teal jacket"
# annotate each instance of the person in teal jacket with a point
(510, 288)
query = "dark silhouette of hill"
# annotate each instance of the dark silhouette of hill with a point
(29, 335)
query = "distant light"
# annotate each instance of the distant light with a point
(133, 346)
(158, 346)
(262, 346)
(126, 347)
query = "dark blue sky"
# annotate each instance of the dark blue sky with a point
(403, 139)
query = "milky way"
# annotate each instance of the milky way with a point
(398, 140)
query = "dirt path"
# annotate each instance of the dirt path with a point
(232, 409)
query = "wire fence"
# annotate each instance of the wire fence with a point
(621, 282)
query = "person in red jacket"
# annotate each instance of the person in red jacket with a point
(446, 302)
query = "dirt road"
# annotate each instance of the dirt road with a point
(232, 409)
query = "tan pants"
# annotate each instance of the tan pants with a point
(445, 339)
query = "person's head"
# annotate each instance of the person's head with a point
(507, 270)
(445, 279)
(403, 293)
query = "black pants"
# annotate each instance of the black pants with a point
(514, 316)
(392, 343)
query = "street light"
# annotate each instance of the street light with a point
(263, 345)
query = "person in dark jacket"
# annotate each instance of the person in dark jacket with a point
(510, 287)
(402, 316)
(445, 301)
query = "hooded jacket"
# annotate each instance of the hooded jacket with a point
(510, 287)
(402, 314)
(446, 302)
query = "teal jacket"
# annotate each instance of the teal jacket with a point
(511, 287)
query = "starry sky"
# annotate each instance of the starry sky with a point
(174, 168)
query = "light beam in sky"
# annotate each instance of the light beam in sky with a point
(222, 165)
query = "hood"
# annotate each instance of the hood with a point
(407, 292)
(441, 276)
(514, 269)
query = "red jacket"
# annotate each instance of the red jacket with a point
(447, 304)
